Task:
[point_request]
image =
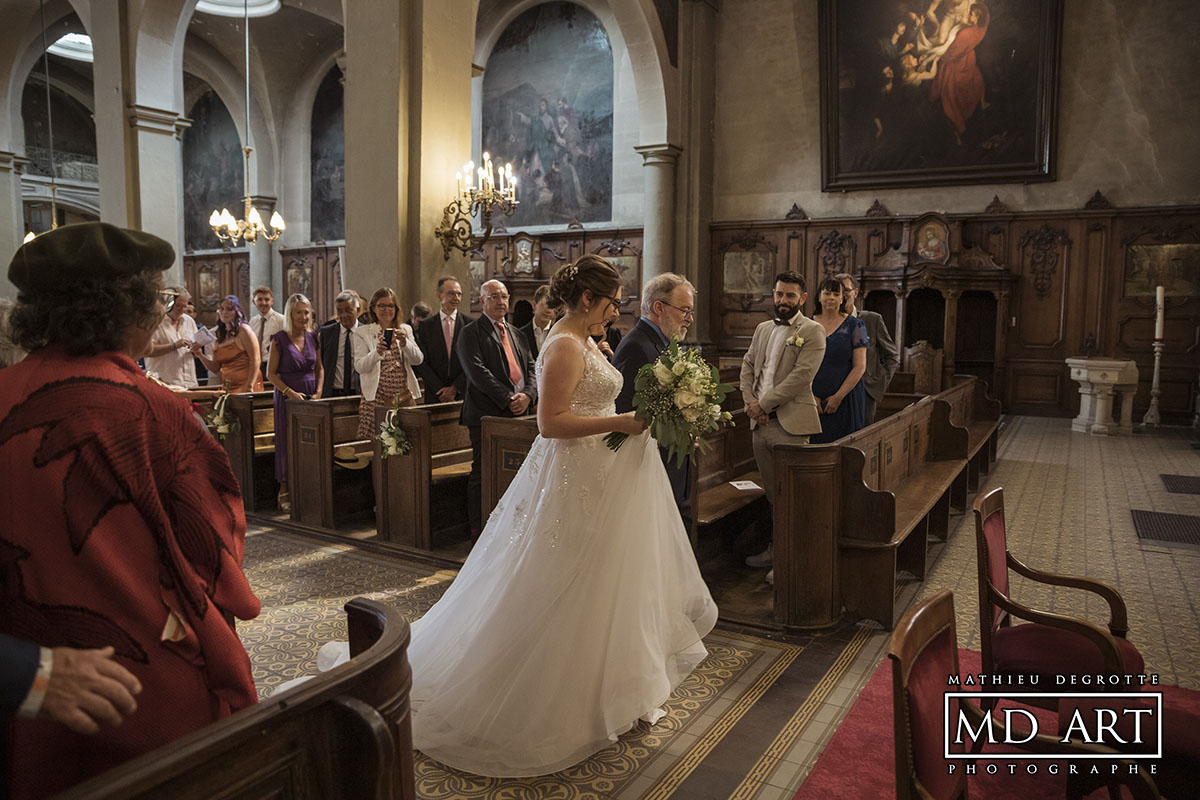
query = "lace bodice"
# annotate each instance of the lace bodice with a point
(597, 390)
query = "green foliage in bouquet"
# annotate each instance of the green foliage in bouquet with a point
(679, 397)
(221, 421)
(393, 438)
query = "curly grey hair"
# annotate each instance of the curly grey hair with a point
(660, 287)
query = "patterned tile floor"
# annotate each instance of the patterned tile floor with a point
(754, 717)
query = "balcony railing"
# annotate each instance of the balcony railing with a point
(68, 166)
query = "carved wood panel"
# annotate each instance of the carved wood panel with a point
(210, 277)
(316, 273)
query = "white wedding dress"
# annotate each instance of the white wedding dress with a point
(579, 610)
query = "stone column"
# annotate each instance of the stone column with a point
(658, 234)
(157, 186)
(377, 141)
(12, 216)
(1103, 421)
(114, 137)
(262, 252)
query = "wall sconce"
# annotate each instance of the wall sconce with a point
(469, 199)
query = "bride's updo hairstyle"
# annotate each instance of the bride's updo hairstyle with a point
(588, 273)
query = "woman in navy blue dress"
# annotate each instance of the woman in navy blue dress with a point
(838, 384)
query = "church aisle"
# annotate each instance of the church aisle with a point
(754, 717)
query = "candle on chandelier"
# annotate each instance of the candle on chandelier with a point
(1160, 302)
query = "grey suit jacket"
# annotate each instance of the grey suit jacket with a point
(883, 357)
(791, 397)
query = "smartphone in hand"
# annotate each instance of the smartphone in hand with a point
(387, 338)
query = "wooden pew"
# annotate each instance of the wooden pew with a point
(345, 734)
(424, 492)
(971, 408)
(506, 442)
(321, 492)
(851, 514)
(251, 448)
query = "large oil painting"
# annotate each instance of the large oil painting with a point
(932, 92)
(328, 153)
(548, 110)
(212, 170)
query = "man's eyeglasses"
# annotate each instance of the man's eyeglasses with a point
(168, 298)
(688, 313)
(496, 297)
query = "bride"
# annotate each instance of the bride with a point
(581, 606)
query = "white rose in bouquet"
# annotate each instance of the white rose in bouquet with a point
(684, 399)
(663, 373)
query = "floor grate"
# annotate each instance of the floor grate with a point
(1177, 528)
(1182, 484)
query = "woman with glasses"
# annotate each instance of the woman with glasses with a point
(236, 351)
(581, 607)
(385, 353)
(124, 528)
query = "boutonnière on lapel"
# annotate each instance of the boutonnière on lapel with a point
(795, 341)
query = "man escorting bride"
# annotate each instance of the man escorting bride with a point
(581, 607)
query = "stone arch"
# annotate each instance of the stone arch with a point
(635, 24)
(157, 53)
(202, 60)
(59, 20)
(295, 183)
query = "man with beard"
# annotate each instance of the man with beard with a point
(776, 383)
(668, 308)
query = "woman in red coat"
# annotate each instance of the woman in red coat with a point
(121, 523)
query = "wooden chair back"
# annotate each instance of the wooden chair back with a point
(991, 549)
(923, 651)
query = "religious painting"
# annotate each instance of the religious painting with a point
(212, 170)
(208, 287)
(327, 152)
(930, 242)
(548, 111)
(1175, 267)
(915, 93)
(478, 275)
(526, 256)
(749, 272)
(630, 269)
(299, 279)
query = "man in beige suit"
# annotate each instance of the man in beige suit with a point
(776, 383)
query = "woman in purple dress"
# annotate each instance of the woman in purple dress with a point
(295, 371)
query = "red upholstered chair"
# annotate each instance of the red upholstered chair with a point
(924, 651)
(1049, 644)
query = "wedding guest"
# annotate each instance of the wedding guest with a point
(336, 340)
(294, 370)
(201, 372)
(385, 353)
(266, 324)
(668, 308)
(838, 384)
(437, 337)
(776, 383)
(538, 327)
(123, 525)
(418, 314)
(608, 340)
(500, 380)
(883, 357)
(170, 353)
(235, 352)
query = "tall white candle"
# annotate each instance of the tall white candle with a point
(1159, 309)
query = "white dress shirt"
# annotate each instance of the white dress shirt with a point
(264, 328)
(779, 335)
(178, 366)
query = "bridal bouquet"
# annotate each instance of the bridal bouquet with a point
(393, 438)
(221, 421)
(679, 396)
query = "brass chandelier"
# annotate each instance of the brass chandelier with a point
(250, 226)
(485, 199)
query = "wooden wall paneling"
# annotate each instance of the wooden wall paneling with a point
(315, 272)
(211, 277)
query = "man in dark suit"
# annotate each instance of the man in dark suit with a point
(538, 328)
(437, 337)
(668, 308)
(337, 352)
(883, 357)
(500, 380)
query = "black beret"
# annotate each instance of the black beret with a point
(86, 250)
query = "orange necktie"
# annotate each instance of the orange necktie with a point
(514, 369)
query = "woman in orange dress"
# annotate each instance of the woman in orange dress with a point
(236, 352)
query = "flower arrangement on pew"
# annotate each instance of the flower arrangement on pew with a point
(679, 396)
(221, 421)
(393, 438)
